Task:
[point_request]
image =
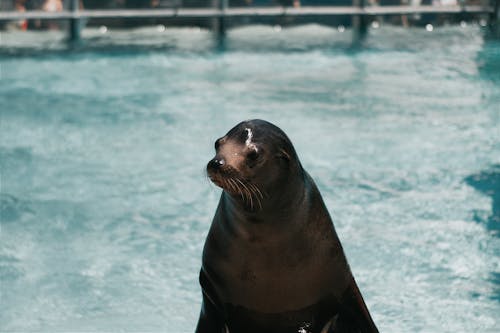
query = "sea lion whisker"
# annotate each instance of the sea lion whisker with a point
(236, 188)
(242, 192)
(258, 200)
(251, 200)
(226, 184)
(253, 192)
(233, 186)
(247, 191)
(249, 196)
(239, 181)
(257, 190)
(262, 193)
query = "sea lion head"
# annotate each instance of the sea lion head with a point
(252, 159)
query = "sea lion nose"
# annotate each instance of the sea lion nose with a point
(216, 163)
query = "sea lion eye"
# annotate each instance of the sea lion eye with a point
(253, 155)
(217, 144)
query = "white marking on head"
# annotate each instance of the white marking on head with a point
(248, 141)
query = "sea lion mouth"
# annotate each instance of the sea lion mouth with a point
(222, 178)
(227, 181)
(220, 181)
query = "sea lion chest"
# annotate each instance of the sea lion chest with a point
(272, 267)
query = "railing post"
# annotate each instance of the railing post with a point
(74, 22)
(221, 29)
(358, 22)
(495, 19)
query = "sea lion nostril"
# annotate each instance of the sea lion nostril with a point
(216, 163)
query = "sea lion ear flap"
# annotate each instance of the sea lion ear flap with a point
(283, 154)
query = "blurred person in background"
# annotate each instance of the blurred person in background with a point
(46, 5)
(52, 6)
(20, 7)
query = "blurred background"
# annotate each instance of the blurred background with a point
(109, 111)
(435, 12)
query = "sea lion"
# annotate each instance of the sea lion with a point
(272, 261)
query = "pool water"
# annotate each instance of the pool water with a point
(105, 205)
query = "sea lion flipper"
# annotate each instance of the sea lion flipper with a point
(211, 320)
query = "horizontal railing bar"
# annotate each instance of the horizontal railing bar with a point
(246, 12)
(434, 9)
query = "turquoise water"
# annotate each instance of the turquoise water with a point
(105, 205)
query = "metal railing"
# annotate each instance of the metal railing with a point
(220, 11)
